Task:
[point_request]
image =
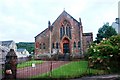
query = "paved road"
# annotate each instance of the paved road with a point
(100, 77)
(39, 69)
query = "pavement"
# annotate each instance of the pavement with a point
(100, 77)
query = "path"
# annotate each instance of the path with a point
(39, 69)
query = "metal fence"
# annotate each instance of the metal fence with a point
(1, 70)
(58, 70)
(54, 69)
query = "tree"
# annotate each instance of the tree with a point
(26, 45)
(105, 31)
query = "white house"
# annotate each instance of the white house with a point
(22, 53)
(115, 25)
(3, 52)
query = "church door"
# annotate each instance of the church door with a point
(66, 48)
(66, 45)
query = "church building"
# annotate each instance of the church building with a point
(65, 35)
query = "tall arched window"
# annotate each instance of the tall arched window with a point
(61, 33)
(74, 44)
(57, 45)
(79, 44)
(53, 46)
(43, 45)
(65, 29)
(40, 46)
(69, 32)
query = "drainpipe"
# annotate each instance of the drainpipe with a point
(49, 25)
(50, 30)
(81, 36)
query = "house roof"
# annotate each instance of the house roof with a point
(88, 34)
(3, 43)
(63, 13)
(4, 51)
(20, 50)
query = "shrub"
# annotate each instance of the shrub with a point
(105, 54)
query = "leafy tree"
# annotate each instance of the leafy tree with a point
(105, 31)
(26, 45)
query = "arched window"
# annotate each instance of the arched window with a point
(57, 45)
(69, 32)
(79, 44)
(43, 45)
(65, 29)
(53, 46)
(40, 46)
(74, 44)
(61, 33)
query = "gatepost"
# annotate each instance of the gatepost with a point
(11, 65)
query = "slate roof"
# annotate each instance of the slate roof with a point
(6, 43)
(87, 34)
(20, 50)
(21, 55)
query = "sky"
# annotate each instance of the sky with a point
(22, 20)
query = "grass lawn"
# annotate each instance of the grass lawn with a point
(71, 70)
(28, 63)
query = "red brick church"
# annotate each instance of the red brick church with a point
(65, 35)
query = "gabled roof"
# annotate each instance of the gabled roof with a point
(63, 13)
(41, 32)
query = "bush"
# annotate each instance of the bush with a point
(45, 56)
(105, 54)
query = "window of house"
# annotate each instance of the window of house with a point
(40, 46)
(69, 32)
(61, 33)
(74, 44)
(43, 45)
(57, 45)
(65, 29)
(79, 44)
(53, 46)
(88, 43)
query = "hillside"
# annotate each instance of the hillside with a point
(26, 45)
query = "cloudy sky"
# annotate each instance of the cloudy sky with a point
(22, 20)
